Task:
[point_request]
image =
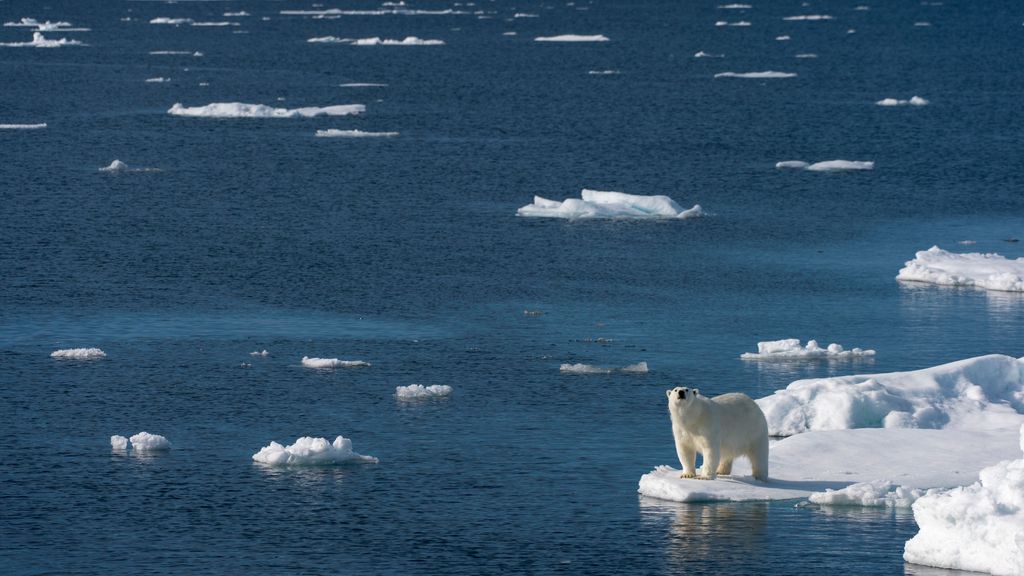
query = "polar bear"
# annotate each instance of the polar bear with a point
(721, 429)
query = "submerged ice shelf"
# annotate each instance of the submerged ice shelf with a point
(597, 204)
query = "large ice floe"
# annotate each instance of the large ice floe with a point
(876, 439)
(573, 38)
(22, 126)
(78, 354)
(40, 41)
(325, 363)
(241, 110)
(826, 166)
(914, 101)
(418, 391)
(790, 349)
(310, 451)
(597, 204)
(376, 41)
(767, 74)
(335, 133)
(638, 368)
(978, 527)
(988, 271)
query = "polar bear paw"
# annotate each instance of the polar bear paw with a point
(688, 475)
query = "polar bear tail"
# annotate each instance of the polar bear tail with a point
(759, 460)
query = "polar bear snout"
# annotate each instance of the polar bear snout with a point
(680, 393)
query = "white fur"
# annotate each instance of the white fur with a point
(721, 429)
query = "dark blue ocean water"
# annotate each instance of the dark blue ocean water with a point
(406, 252)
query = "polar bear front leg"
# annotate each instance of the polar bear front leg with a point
(712, 456)
(688, 458)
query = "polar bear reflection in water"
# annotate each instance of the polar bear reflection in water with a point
(722, 429)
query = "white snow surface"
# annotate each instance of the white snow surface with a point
(79, 354)
(598, 204)
(978, 527)
(414, 391)
(118, 442)
(22, 126)
(572, 38)
(310, 451)
(974, 394)
(335, 133)
(914, 101)
(332, 363)
(241, 110)
(146, 442)
(376, 41)
(756, 75)
(638, 368)
(989, 271)
(40, 41)
(790, 349)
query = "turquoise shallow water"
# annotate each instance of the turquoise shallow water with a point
(406, 252)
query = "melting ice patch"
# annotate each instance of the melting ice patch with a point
(638, 368)
(310, 451)
(826, 166)
(264, 353)
(572, 38)
(171, 21)
(118, 442)
(416, 391)
(975, 394)
(735, 7)
(176, 53)
(790, 349)
(756, 75)
(597, 204)
(22, 126)
(376, 41)
(332, 363)
(873, 494)
(806, 55)
(118, 167)
(703, 54)
(741, 23)
(914, 101)
(978, 527)
(808, 18)
(603, 72)
(241, 110)
(157, 80)
(78, 354)
(362, 85)
(146, 442)
(989, 271)
(335, 133)
(40, 41)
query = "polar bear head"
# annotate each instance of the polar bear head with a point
(680, 397)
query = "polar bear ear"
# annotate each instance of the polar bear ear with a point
(696, 392)
(669, 393)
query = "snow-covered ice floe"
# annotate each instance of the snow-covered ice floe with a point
(572, 38)
(78, 354)
(146, 442)
(914, 101)
(416, 391)
(332, 363)
(790, 349)
(826, 166)
(22, 126)
(40, 41)
(335, 133)
(597, 204)
(241, 110)
(989, 271)
(756, 75)
(310, 451)
(638, 368)
(878, 439)
(118, 442)
(978, 527)
(376, 41)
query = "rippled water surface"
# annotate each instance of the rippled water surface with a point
(406, 252)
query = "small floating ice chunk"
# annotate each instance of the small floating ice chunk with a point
(741, 23)
(362, 85)
(914, 101)
(310, 451)
(146, 442)
(572, 38)
(808, 18)
(376, 41)
(157, 80)
(598, 204)
(790, 349)
(602, 72)
(989, 271)
(735, 7)
(118, 442)
(874, 494)
(525, 15)
(264, 353)
(794, 164)
(236, 14)
(79, 354)
(836, 165)
(756, 75)
(171, 21)
(508, 33)
(806, 55)
(332, 363)
(22, 126)
(978, 527)
(415, 391)
(782, 38)
(241, 110)
(216, 24)
(335, 133)
(703, 54)
(40, 41)
(638, 368)
(922, 24)
(115, 166)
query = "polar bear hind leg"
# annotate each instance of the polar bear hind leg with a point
(725, 467)
(759, 460)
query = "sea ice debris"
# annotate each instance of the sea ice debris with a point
(598, 204)
(989, 271)
(790, 349)
(79, 354)
(146, 442)
(310, 451)
(241, 110)
(332, 363)
(414, 391)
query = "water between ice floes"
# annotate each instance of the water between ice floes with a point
(406, 253)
